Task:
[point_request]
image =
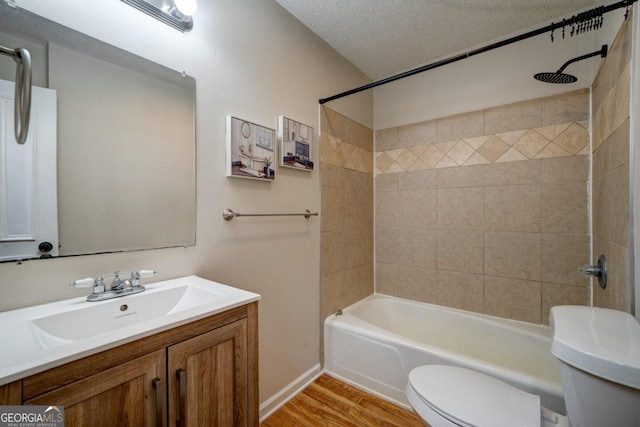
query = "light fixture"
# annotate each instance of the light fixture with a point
(187, 7)
(176, 13)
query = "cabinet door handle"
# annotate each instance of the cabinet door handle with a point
(182, 392)
(157, 385)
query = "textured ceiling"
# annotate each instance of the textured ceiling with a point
(384, 37)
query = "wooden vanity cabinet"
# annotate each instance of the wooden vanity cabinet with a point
(11, 394)
(206, 377)
(204, 373)
(125, 395)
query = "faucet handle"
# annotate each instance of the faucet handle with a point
(97, 284)
(83, 283)
(140, 274)
(143, 274)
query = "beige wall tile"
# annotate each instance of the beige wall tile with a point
(493, 148)
(600, 209)
(386, 182)
(418, 133)
(356, 209)
(333, 123)
(467, 176)
(554, 294)
(432, 215)
(417, 209)
(512, 117)
(512, 298)
(531, 144)
(359, 135)
(345, 288)
(419, 284)
(358, 284)
(525, 172)
(460, 290)
(617, 190)
(617, 147)
(512, 254)
(466, 125)
(387, 278)
(332, 200)
(564, 208)
(477, 159)
(553, 131)
(573, 139)
(552, 150)
(600, 246)
(330, 175)
(406, 247)
(460, 152)
(461, 250)
(386, 209)
(446, 162)
(386, 139)
(512, 155)
(562, 169)
(418, 248)
(562, 254)
(331, 252)
(417, 180)
(460, 208)
(512, 207)
(568, 107)
(618, 285)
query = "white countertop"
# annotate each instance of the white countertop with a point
(42, 337)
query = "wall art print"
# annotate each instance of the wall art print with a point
(296, 144)
(250, 150)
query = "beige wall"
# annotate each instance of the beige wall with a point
(252, 59)
(487, 211)
(611, 91)
(347, 212)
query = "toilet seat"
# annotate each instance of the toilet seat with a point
(451, 396)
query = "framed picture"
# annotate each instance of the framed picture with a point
(296, 144)
(250, 150)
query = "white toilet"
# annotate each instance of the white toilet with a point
(599, 355)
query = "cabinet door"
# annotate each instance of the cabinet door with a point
(208, 378)
(11, 394)
(131, 394)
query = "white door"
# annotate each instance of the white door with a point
(28, 185)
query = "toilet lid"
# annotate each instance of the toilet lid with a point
(472, 399)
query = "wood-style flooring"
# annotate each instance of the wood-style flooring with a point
(329, 402)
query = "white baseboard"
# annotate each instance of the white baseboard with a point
(279, 399)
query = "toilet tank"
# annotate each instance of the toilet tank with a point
(599, 355)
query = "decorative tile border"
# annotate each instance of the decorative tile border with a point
(340, 153)
(567, 139)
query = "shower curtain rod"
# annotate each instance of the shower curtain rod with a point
(588, 15)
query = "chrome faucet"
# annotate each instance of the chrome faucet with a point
(117, 288)
(117, 284)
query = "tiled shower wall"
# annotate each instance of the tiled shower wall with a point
(611, 92)
(487, 211)
(346, 169)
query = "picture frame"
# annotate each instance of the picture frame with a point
(250, 150)
(296, 140)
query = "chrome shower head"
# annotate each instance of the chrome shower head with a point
(561, 78)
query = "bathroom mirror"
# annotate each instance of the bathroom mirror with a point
(125, 140)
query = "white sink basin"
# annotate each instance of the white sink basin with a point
(98, 318)
(41, 337)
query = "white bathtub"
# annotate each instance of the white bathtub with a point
(377, 341)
